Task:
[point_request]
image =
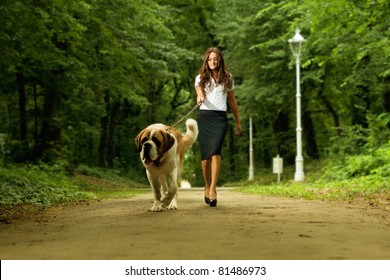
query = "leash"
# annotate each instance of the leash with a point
(183, 118)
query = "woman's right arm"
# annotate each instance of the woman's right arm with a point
(199, 95)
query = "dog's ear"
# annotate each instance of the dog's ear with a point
(168, 141)
(138, 141)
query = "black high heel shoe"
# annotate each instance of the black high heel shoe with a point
(213, 202)
(206, 199)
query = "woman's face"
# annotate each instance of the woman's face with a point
(212, 61)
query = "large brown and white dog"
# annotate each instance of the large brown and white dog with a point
(162, 151)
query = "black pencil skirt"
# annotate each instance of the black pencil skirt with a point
(212, 131)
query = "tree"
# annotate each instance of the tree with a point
(79, 79)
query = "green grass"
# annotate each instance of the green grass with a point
(321, 183)
(365, 176)
(45, 185)
(366, 187)
(110, 186)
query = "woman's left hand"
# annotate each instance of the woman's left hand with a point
(238, 129)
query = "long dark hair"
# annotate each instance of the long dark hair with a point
(224, 77)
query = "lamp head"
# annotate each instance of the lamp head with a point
(296, 43)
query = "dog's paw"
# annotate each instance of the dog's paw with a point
(166, 201)
(173, 204)
(157, 207)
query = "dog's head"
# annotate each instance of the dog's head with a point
(152, 143)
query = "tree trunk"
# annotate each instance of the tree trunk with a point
(23, 150)
(386, 96)
(154, 98)
(50, 136)
(360, 106)
(104, 124)
(111, 135)
(22, 108)
(331, 110)
(308, 130)
(309, 135)
(36, 120)
(281, 130)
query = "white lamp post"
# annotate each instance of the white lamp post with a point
(251, 168)
(296, 43)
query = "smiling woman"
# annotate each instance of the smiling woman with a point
(214, 88)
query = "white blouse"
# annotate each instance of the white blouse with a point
(215, 98)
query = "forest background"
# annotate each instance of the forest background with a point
(79, 80)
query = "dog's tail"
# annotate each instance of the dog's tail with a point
(192, 133)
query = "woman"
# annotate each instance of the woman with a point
(214, 88)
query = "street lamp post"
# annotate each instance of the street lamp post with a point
(296, 43)
(251, 168)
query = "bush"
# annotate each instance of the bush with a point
(43, 185)
(371, 162)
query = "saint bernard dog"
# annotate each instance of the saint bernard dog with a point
(161, 150)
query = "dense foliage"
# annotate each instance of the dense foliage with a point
(44, 185)
(79, 79)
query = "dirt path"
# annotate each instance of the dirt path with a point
(241, 227)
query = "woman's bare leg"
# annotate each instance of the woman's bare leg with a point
(215, 168)
(206, 170)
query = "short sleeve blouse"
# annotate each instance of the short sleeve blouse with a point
(215, 98)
